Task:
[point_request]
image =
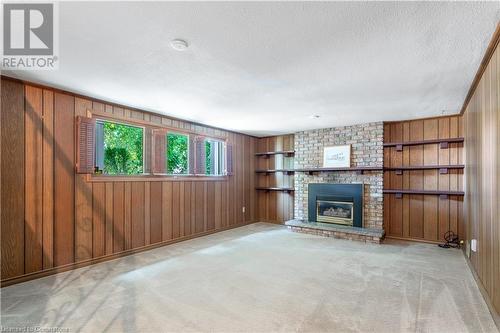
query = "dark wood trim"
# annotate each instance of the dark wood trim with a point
(281, 189)
(426, 167)
(269, 153)
(423, 142)
(424, 192)
(356, 169)
(153, 125)
(495, 39)
(288, 171)
(406, 239)
(74, 94)
(154, 178)
(64, 268)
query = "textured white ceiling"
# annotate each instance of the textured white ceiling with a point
(265, 67)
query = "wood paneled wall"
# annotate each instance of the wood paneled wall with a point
(423, 217)
(482, 178)
(54, 218)
(274, 206)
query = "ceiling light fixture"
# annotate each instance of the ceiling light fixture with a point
(179, 44)
(314, 116)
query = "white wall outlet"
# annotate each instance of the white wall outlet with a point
(473, 245)
(243, 209)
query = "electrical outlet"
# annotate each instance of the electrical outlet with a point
(473, 245)
(243, 209)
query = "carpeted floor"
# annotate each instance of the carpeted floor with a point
(260, 278)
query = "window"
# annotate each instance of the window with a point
(177, 153)
(214, 157)
(118, 148)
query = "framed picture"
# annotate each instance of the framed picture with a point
(337, 156)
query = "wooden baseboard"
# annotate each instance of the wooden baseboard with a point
(68, 267)
(486, 297)
(413, 240)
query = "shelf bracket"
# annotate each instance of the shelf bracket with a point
(399, 172)
(443, 171)
(443, 145)
(399, 147)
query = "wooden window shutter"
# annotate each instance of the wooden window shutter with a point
(85, 145)
(159, 151)
(229, 159)
(199, 155)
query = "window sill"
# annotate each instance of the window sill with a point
(153, 178)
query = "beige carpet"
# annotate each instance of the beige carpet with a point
(260, 278)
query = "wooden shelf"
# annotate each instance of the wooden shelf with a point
(443, 143)
(442, 194)
(282, 189)
(275, 170)
(357, 169)
(443, 169)
(281, 152)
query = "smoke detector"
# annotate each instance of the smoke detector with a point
(179, 44)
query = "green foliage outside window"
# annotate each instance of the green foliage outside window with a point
(177, 154)
(208, 158)
(123, 146)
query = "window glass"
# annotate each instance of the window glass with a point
(215, 163)
(177, 153)
(119, 148)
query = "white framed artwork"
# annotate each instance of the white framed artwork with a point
(337, 156)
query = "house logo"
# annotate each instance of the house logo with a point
(29, 36)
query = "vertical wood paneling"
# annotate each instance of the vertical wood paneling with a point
(422, 217)
(210, 205)
(64, 176)
(156, 210)
(200, 190)
(12, 177)
(118, 217)
(187, 209)
(71, 219)
(167, 211)
(109, 218)
(482, 139)
(147, 213)
(98, 219)
(33, 197)
(137, 204)
(83, 200)
(48, 179)
(176, 209)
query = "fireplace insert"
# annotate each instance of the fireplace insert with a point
(340, 212)
(336, 203)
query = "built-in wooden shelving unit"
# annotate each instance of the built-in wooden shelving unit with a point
(444, 194)
(443, 169)
(443, 143)
(274, 168)
(423, 178)
(287, 171)
(280, 189)
(357, 169)
(271, 153)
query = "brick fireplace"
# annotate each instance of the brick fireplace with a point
(366, 142)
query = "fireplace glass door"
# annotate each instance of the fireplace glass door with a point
(334, 212)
